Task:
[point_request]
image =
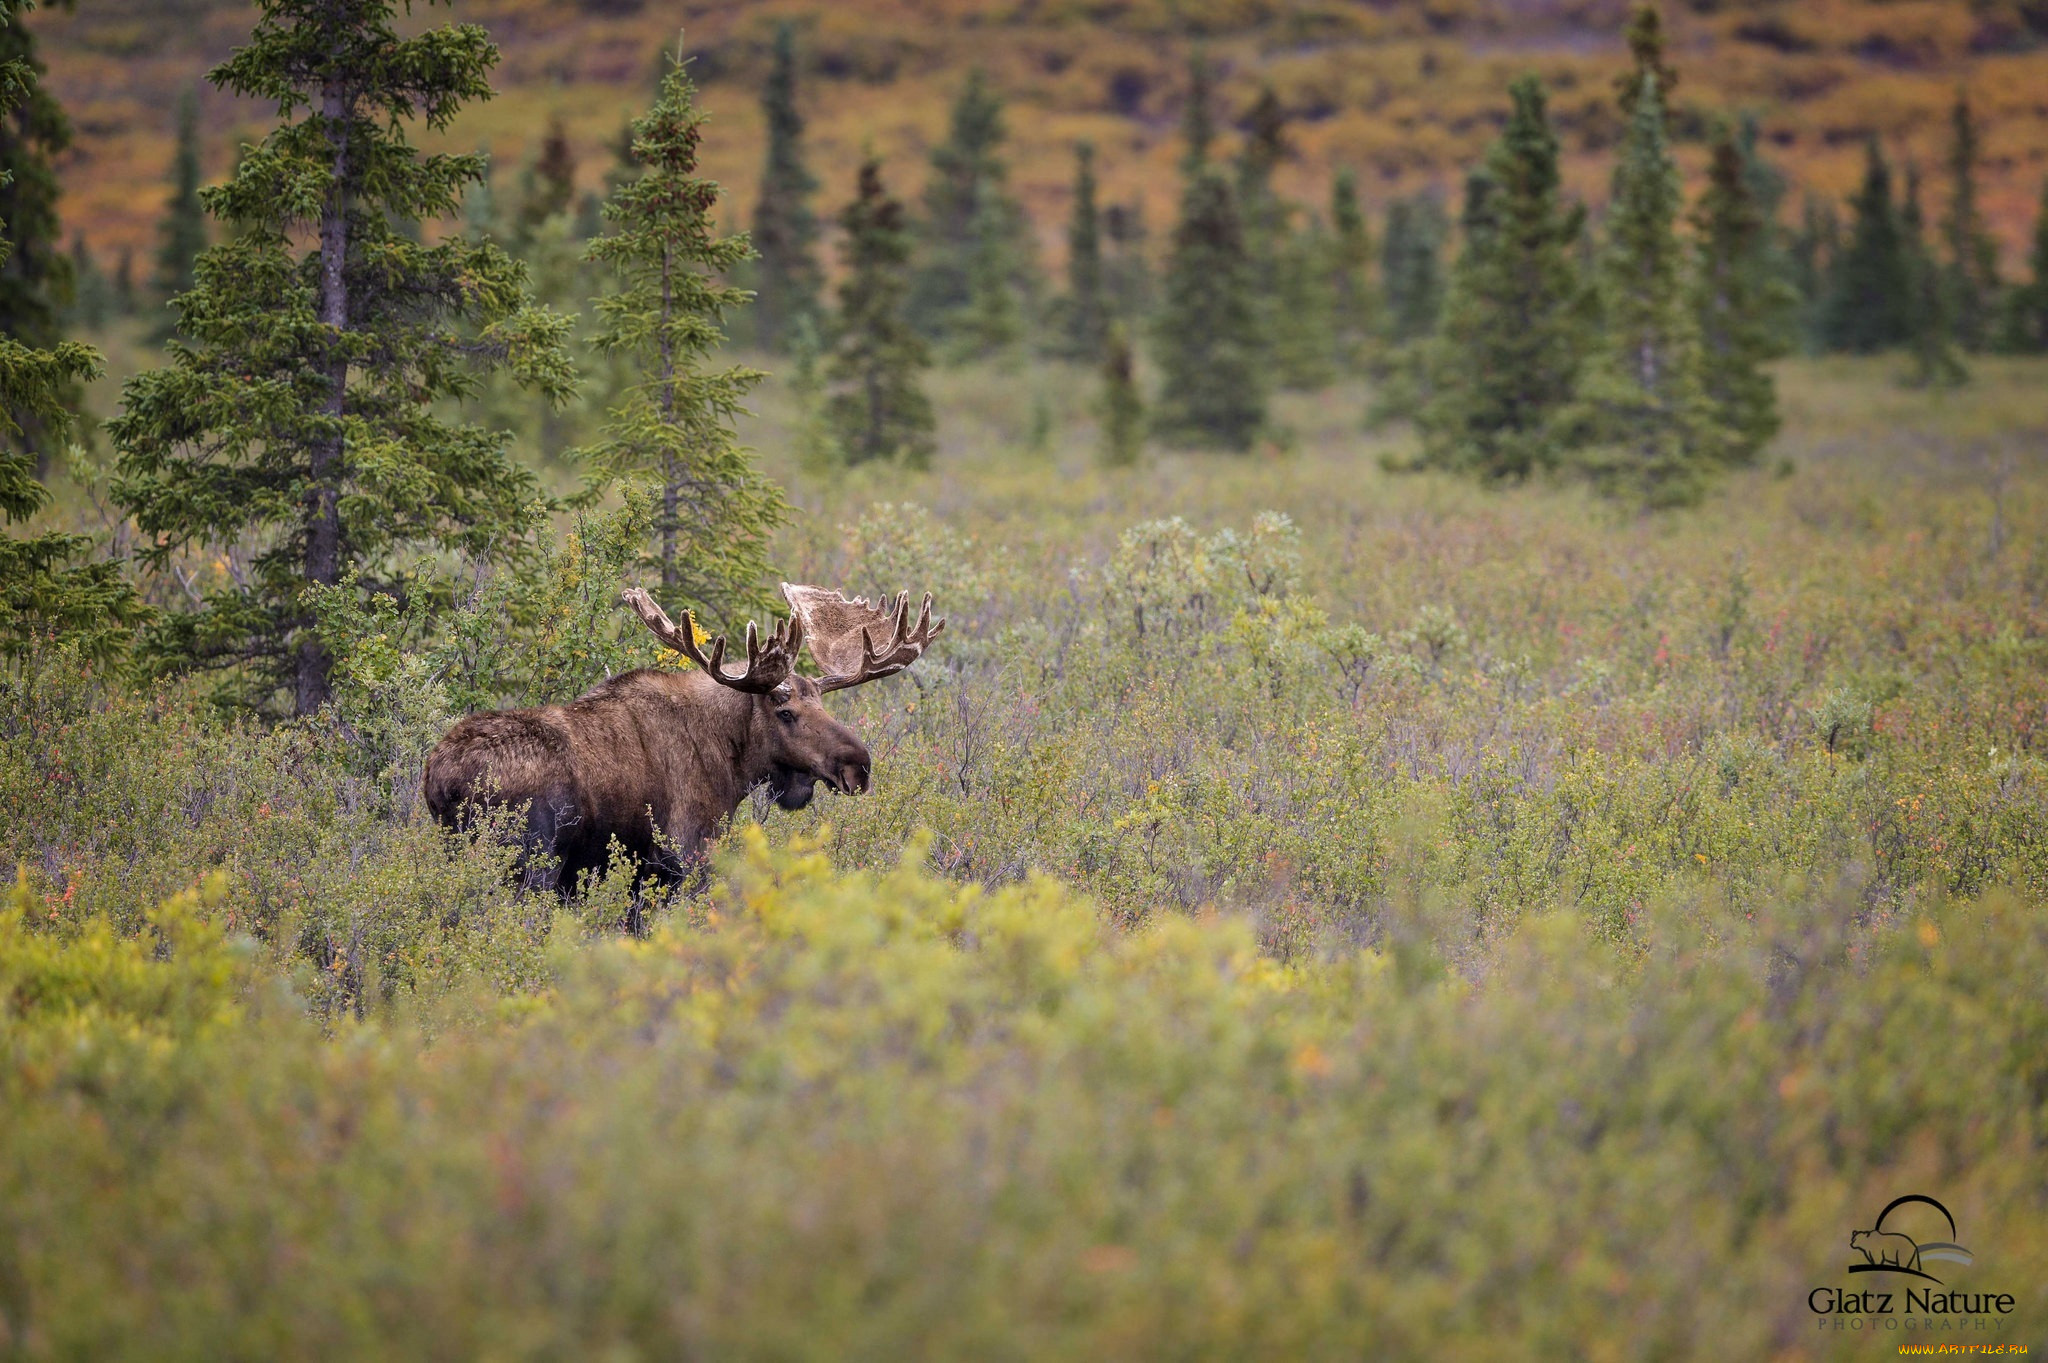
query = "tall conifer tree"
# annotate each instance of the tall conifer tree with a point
(35, 277)
(299, 417)
(1267, 222)
(1869, 281)
(1352, 300)
(1813, 250)
(674, 429)
(1645, 38)
(181, 233)
(126, 299)
(2026, 312)
(1508, 351)
(1640, 423)
(877, 407)
(1971, 278)
(1930, 325)
(1411, 268)
(92, 296)
(45, 590)
(547, 186)
(1300, 325)
(1211, 357)
(1086, 314)
(975, 253)
(1732, 300)
(787, 278)
(1198, 118)
(1126, 273)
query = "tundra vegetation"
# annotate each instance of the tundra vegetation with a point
(1310, 902)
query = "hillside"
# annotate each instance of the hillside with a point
(1406, 93)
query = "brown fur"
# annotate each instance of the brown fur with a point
(646, 751)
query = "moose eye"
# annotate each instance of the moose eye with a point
(786, 716)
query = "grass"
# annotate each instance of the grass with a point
(1482, 924)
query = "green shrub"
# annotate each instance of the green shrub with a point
(892, 1114)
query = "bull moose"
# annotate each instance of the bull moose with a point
(672, 754)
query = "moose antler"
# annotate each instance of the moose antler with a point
(841, 633)
(768, 665)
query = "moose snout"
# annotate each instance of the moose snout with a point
(851, 775)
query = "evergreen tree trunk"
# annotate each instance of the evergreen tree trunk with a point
(323, 523)
(671, 493)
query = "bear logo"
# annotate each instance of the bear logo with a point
(1886, 1249)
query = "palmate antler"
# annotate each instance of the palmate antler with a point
(768, 665)
(841, 633)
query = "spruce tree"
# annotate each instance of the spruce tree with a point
(2026, 312)
(127, 299)
(181, 232)
(1126, 273)
(46, 592)
(1508, 350)
(1122, 411)
(1783, 302)
(786, 278)
(35, 278)
(1971, 278)
(1411, 281)
(298, 417)
(1352, 302)
(993, 321)
(1813, 250)
(1411, 269)
(1930, 327)
(1300, 325)
(1267, 237)
(92, 294)
(1645, 39)
(1733, 289)
(975, 252)
(674, 429)
(547, 187)
(877, 408)
(1086, 307)
(1264, 148)
(1198, 118)
(1870, 282)
(1211, 357)
(1765, 182)
(1641, 422)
